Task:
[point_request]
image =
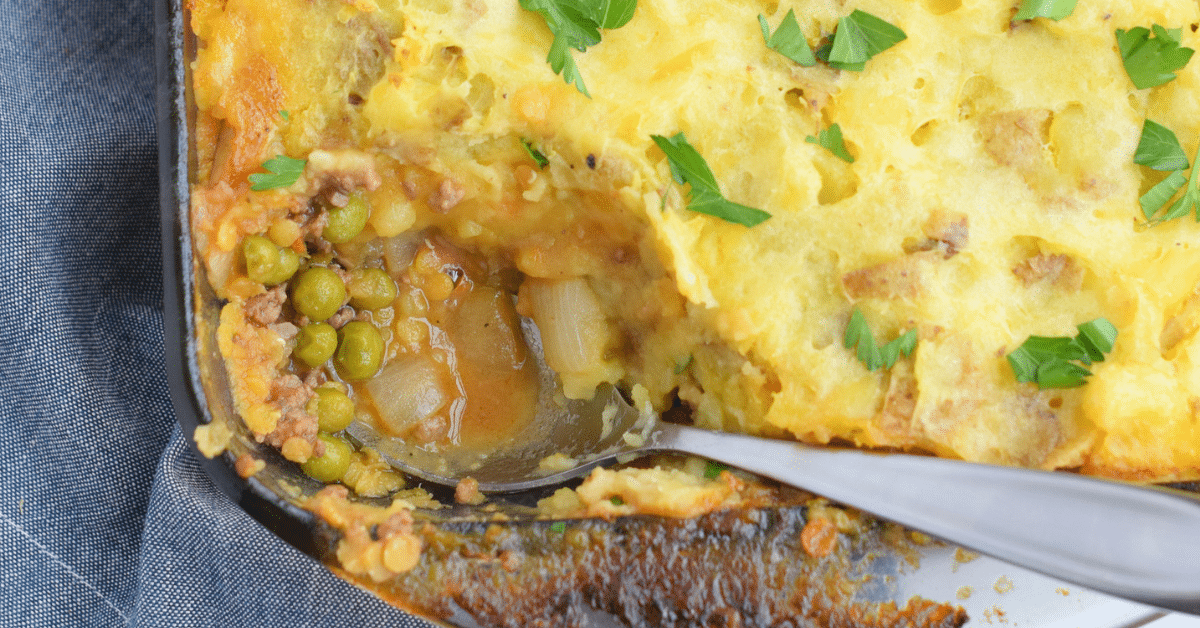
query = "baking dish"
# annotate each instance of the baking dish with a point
(273, 495)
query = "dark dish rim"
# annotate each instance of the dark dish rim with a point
(171, 47)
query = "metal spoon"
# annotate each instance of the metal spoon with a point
(1130, 541)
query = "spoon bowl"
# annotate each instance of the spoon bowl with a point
(566, 438)
(547, 452)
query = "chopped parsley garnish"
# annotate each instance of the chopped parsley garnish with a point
(1156, 197)
(558, 527)
(831, 140)
(611, 13)
(284, 114)
(535, 154)
(563, 63)
(616, 501)
(1154, 200)
(284, 172)
(859, 37)
(713, 469)
(1053, 9)
(873, 356)
(1159, 148)
(1052, 362)
(1152, 56)
(687, 166)
(577, 25)
(788, 40)
(822, 53)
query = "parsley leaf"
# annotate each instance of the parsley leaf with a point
(1053, 9)
(822, 53)
(1060, 374)
(284, 172)
(1188, 202)
(861, 36)
(831, 140)
(576, 24)
(1152, 59)
(713, 469)
(563, 63)
(1158, 196)
(1159, 148)
(788, 39)
(1097, 337)
(611, 13)
(558, 527)
(285, 115)
(713, 204)
(535, 154)
(875, 357)
(566, 21)
(687, 166)
(1050, 362)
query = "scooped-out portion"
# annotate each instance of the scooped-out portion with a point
(460, 371)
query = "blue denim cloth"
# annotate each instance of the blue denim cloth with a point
(105, 517)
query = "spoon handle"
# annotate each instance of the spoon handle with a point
(1134, 542)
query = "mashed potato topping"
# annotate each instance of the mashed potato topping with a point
(992, 196)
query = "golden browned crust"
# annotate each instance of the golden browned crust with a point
(657, 573)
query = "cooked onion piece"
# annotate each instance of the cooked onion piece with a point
(575, 333)
(408, 391)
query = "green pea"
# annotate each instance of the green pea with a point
(262, 258)
(318, 293)
(360, 351)
(315, 344)
(371, 289)
(289, 261)
(332, 465)
(347, 222)
(335, 410)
